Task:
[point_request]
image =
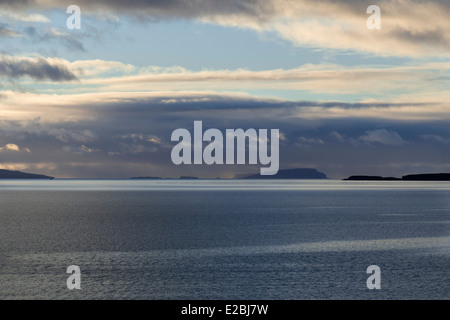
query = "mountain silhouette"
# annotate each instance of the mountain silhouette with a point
(7, 174)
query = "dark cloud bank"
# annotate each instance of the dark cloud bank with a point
(132, 138)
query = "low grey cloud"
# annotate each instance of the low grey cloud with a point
(131, 137)
(436, 138)
(382, 136)
(36, 68)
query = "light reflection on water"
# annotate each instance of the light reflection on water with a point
(219, 184)
(224, 239)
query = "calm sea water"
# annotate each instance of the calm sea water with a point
(224, 239)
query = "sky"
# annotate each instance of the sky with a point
(102, 101)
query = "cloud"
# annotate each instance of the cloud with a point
(407, 86)
(435, 138)
(97, 67)
(13, 147)
(128, 134)
(140, 137)
(10, 147)
(38, 68)
(382, 136)
(337, 136)
(65, 135)
(25, 17)
(308, 142)
(416, 80)
(116, 119)
(53, 34)
(5, 32)
(408, 28)
(152, 9)
(74, 107)
(79, 150)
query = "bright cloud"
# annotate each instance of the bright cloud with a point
(13, 147)
(409, 27)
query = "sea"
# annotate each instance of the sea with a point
(224, 239)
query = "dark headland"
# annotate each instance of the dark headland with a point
(371, 178)
(427, 177)
(300, 173)
(7, 174)
(409, 177)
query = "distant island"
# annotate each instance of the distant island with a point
(409, 177)
(427, 177)
(371, 178)
(300, 173)
(145, 178)
(7, 174)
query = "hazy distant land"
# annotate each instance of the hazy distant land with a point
(299, 173)
(309, 173)
(409, 177)
(7, 174)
